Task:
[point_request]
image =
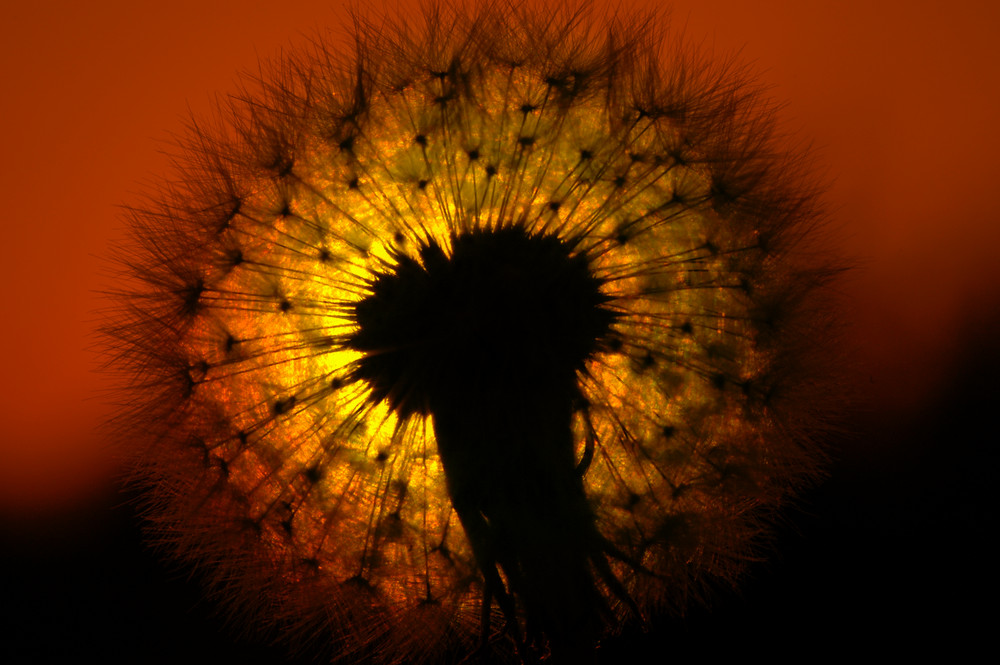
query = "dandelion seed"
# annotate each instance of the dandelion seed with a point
(485, 340)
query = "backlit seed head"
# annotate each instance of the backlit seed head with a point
(490, 336)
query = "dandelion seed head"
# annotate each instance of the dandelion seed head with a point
(487, 335)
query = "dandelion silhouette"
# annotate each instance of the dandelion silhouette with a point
(483, 341)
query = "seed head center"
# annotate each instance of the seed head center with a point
(506, 312)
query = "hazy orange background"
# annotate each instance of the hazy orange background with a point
(900, 100)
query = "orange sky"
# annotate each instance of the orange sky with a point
(900, 101)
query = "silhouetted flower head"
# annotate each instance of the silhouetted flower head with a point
(489, 336)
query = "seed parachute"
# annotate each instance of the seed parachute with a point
(480, 340)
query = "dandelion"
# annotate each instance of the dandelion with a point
(482, 341)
